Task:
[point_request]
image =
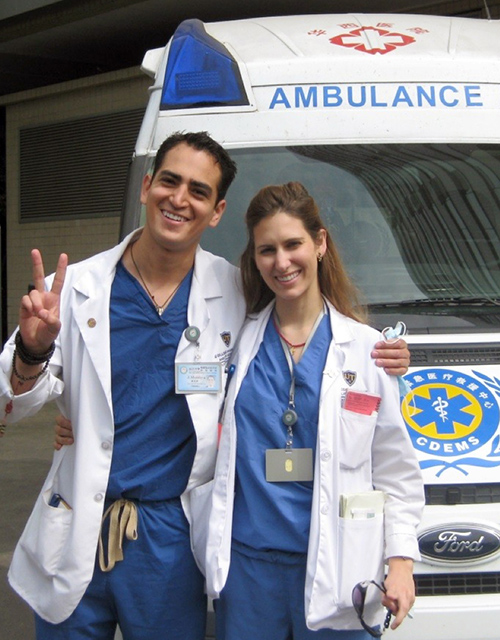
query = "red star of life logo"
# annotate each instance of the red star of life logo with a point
(372, 40)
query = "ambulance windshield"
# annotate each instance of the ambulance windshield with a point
(418, 225)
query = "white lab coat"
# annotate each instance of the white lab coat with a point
(54, 559)
(355, 453)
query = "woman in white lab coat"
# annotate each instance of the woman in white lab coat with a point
(309, 420)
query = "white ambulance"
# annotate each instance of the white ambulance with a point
(393, 124)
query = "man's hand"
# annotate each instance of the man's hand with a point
(63, 432)
(39, 325)
(39, 322)
(393, 357)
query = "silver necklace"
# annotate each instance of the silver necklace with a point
(160, 308)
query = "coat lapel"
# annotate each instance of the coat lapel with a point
(204, 286)
(92, 291)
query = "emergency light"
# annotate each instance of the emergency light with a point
(200, 71)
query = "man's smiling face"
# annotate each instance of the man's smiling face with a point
(181, 198)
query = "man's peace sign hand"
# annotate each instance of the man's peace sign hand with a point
(39, 314)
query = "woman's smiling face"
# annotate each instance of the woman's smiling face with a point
(287, 256)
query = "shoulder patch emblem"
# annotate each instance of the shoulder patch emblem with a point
(349, 377)
(226, 337)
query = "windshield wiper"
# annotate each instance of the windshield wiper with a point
(437, 302)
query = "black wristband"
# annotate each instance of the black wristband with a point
(32, 358)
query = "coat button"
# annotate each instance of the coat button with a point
(324, 509)
(98, 497)
(326, 455)
(91, 322)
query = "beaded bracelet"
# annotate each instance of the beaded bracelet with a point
(30, 358)
(20, 376)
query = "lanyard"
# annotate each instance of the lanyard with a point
(290, 417)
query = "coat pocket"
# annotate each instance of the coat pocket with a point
(46, 533)
(200, 502)
(355, 438)
(361, 551)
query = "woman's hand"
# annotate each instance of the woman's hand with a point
(63, 432)
(400, 589)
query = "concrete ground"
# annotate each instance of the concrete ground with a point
(25, 456)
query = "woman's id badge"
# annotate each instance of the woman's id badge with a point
(289, 465)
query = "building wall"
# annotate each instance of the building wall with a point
(470, 7)
(465, 8)
(80, 238)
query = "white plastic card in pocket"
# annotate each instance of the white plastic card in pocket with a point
(361, 506)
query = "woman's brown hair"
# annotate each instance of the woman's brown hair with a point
(293, 199)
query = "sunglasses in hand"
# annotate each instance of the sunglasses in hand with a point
(358, 602)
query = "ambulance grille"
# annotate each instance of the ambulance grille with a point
(486, 493)
(454, 355)
(454, 584)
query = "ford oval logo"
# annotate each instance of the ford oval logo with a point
(459, 543)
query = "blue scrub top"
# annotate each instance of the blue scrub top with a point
(155, 440)
(276, 515)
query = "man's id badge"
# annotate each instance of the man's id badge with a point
(198, 377)
(286, 465)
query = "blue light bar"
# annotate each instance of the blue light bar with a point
(200, 71)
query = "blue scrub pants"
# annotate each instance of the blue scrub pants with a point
(155, 593)
(264, 598)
